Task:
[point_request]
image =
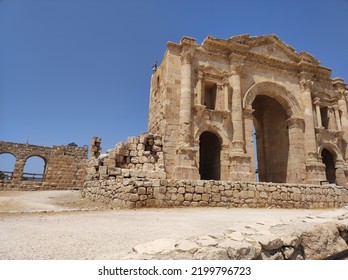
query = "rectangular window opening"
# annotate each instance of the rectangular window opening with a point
(210, 96)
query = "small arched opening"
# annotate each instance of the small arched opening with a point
(209, 156)
(7, 164)
(34, 169)
(330, 169)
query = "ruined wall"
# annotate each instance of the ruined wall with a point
(127, 191)
(65, 166)
(139, 156)
(132, 175)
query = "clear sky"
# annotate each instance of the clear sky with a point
(72, 69)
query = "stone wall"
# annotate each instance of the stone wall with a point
(138, 157)
(133, 175)
(128, 190)
(65, 166)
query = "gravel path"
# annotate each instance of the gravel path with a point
(51, 225)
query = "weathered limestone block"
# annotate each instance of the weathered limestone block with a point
(188, 196)
(241, 250)
(216, 197)
(211, 253)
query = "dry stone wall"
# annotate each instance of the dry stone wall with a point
(138, 157)
(65, 166)
(132, 175)
(130, 191)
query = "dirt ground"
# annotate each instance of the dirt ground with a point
(63, 225)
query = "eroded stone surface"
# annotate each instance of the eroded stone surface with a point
(292, 241)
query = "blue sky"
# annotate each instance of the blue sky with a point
(71, 69)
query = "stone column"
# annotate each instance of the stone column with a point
(313, 166)
(311, 144)
(185, 159)
(199, 89)
(296, 159)
(185, 99)
(226, 90)
(317, 111)
(237, 113)
(240, 161)
(341, 92)
(337, 118)
(249, 137)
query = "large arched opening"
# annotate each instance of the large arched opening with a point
(209, 156)
(34, 169)
(272, 139)
(279, 125)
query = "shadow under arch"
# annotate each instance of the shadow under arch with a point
(279, 155)
(332, 148)
(333, 161)
(209, 156)
(276, 91)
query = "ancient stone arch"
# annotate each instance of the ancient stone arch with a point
(211, 96)
(287, 165)
(64, 166)
(276, 91)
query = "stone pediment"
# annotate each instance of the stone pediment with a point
(272, 47)
(271, 51)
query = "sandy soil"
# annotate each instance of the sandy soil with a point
(62, 225)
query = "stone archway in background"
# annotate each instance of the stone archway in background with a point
(34, 168)
(7, 165)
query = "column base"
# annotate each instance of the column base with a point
(185, 164)
(185, 173)
(238, 147)
(315, 173)
(240, 168)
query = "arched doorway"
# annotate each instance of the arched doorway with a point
(329, 162)
(272, 139)
(209, 156)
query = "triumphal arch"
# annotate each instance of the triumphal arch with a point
(249, 108)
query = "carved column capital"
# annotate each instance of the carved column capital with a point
(335, 107)
(339, 84)
(248, 112)
(296, 123)
(316, 101)
(341, 93)
(186, 57)
(200, 75)
(306, 85)
(237, 68)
